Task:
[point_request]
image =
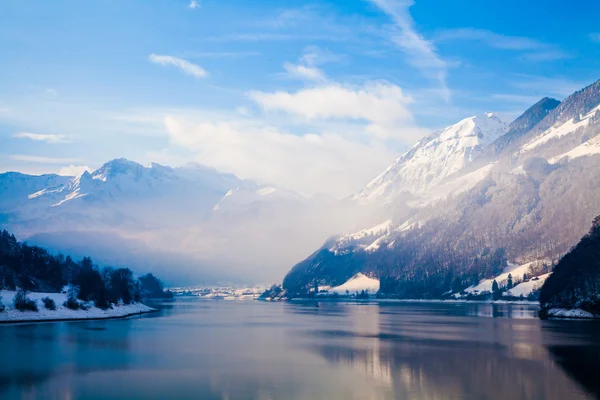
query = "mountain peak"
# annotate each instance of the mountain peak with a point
(116, 167)
(434, 158)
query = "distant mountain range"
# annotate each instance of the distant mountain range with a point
(191, 224)
(467, 200)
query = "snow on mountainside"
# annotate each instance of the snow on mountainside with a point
(466, 200)
(434, 158)
(16, 187)
(121, 192)
(560, 130)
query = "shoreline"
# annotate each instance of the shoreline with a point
(70, 319)
(374, 300)
(62, 313)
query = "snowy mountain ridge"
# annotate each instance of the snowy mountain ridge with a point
(433, 159)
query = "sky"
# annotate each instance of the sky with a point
(313, 96)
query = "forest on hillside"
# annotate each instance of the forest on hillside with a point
(575, 282)
(27, 269)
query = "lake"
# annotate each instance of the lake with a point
(205, 349)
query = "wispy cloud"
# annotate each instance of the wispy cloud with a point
(306, 68)
(43, 160)
(595, 37)
(51, 92)
(421, 52)
(490, 38)
(549, 55)
(184, 65)
(534, 50)
(271, 37)
(304, 72)
(194, 4)
(42, 137)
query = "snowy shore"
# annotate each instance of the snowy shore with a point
(10, 314)
(569, 313)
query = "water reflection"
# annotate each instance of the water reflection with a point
(231, 350)
(458, 357)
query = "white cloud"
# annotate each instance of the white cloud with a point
(348, 136)
(186, 66)
(49, 138)
(43, 160)
(595, 37)
(194, 4)
(304, 72)
(308, 163)
(74, 170)
(51, 92)
(381, 104)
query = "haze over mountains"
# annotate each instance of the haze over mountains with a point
(191, 224)
(454, 209)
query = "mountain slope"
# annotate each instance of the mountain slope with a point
(530, 202)
(434, 158)
(524, 123)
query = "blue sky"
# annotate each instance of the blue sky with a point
(314, 96)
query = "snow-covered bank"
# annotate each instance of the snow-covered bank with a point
(10, 314)
(568, 313)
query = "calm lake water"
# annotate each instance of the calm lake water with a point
(199, 349)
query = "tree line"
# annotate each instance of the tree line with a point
(34, 269)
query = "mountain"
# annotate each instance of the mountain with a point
(524, 123)
(466, 202)
(211, 225)
(433, 159)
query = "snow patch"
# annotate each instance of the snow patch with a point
(526, 288)
(357, 283)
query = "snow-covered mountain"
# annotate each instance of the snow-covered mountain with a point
(434, 159)
(468, 199)
(193, 216)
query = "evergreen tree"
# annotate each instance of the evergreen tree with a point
(495, 287)
(509, 284)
